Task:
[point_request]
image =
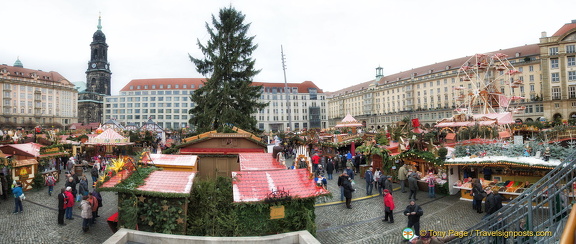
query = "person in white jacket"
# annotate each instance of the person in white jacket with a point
(86, 213)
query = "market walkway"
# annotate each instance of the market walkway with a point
(335, 223)
(363, 223)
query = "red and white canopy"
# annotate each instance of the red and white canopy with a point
(349, 121)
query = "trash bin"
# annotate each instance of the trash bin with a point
(78, 170)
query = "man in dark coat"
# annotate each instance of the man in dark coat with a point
(388, 184)
(72, 184)
(330, 167)
(369, 177)
(493, 202)
(343, 177)
(413, 186)
(61, 207)
(347, 185)
(414, 212)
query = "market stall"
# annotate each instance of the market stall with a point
(511, 176)
(422, 162)
(107, 143)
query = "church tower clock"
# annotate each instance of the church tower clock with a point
(98, 78)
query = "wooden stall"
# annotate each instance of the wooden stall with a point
(510, 176)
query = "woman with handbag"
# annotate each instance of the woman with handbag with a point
(18, 194)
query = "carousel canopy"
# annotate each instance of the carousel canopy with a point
(349, 121)
(109, 137)
(481, 119)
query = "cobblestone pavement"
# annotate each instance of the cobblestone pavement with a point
(363, 223)
(335, 223)
(39, 221)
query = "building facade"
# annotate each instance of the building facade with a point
(558, 58)
(546, 75)
(98, 79)
(35, 97)
(167, 102)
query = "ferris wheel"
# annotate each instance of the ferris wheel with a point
(490, 84)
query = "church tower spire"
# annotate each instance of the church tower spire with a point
(98, 79)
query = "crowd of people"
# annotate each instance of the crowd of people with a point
(75, 193)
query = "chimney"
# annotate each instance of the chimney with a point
(543, 34)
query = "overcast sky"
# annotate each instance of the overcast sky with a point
(333, 43)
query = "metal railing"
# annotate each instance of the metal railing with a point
(538, 215)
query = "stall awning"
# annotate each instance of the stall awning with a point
(259, 161)
(255, 186)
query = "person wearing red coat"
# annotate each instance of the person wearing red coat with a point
(69, 202)
(388, 206)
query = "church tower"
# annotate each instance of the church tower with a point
(98, 78)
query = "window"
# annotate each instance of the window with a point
(570, 49)
(572, 75)
(555, 77)
(572, 92)
(554, 51)
(531, 78)
(555, 93)
(531, 68)
(554, 63)
(571, 61)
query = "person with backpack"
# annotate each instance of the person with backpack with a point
(50, 182)
(369, 177)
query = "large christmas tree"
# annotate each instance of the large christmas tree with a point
(228, 97)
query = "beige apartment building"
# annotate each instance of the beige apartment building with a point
(35, 97)
(167, 102)
(543, 84)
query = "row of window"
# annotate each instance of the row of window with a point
(555, 63)
(137, 111)
(568, 48)
(145, 105)
(138, 116)
(555, 77)
(168, 86)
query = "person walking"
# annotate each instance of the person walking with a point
(315, 162)
(350, 172)
(17, 191)
(330, 168)
(412, 186)
(369, 177)
(431, 184)
(98, 197)
(347, 185)
(50, 182)
(94, 173)
(414, 212)
(83, 188)
(341, 179)
(388, 207)
(86, 213)
(388, 183)
(69, 203)
(62, 202)
(72, 184)
(377, 175)
(94, 203)
(402, 177)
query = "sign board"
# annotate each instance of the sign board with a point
(277, 212)
(518, 140)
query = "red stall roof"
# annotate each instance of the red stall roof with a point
(169, 182)
(220, 150)
(259, 161)
(254, 186)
